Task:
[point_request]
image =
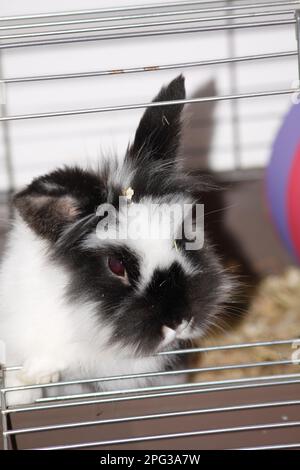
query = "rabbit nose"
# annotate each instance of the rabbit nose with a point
(183, 325)
(169, 334)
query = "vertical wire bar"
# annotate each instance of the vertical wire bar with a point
(297, 17)
(3, 409)
(6, 138)
(234, 105)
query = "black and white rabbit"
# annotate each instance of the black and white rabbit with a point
(73, 306)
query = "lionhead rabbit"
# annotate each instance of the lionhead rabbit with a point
(75, 305)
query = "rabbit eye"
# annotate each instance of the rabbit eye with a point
(116, 266)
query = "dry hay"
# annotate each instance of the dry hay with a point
(274, 314)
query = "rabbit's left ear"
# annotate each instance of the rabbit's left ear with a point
(158, 133)
(52, 202)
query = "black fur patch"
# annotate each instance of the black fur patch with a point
(52, 202)
(167, 290)
(92, 279)
(158, 133)
(171, 297)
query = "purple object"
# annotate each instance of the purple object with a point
(278, 172)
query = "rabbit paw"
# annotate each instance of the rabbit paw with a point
(34, 372)
(38, 372)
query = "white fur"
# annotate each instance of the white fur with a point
(45, 334)
(157, 248)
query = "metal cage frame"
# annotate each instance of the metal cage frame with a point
(180, 17)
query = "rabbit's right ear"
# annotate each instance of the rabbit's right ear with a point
(158, 134)
(54, 201)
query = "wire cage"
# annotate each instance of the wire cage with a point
(254, 411)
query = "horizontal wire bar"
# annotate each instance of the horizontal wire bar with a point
(206, 432)
(245, 385)
(169, 373)
(150, 68)
(11, 368)
(227, 347)
(149, 15)
(140, 389)
(136, 390)
(9, 45)
(272, 447)
(175, 414)
(224, 347)
(75, 112)
(123, 9)
(39, 34)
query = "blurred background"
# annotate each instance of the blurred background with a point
(39, 145)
